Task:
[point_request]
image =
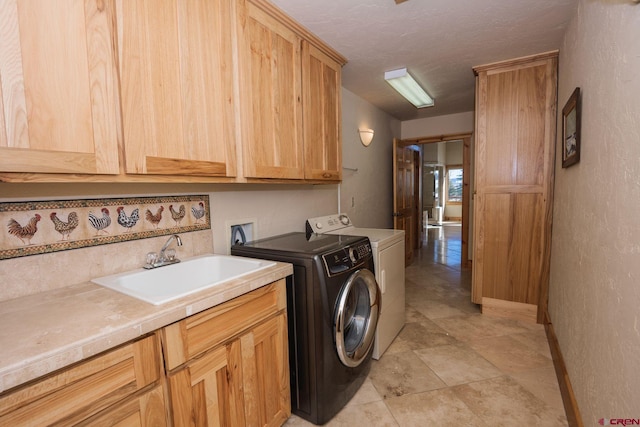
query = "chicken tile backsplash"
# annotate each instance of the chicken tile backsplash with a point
(32, 228)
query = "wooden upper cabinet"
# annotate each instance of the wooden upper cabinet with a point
(176, 70)
(515, 139)
(58, 93)
(321, 82)
(270, 91)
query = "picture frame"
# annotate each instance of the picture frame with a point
(571, 130)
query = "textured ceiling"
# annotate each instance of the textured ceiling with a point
(439, 41)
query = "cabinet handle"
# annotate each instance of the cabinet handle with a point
(326, 175)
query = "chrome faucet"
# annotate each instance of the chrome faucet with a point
(166, 256)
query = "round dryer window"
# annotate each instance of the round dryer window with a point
(357, 317)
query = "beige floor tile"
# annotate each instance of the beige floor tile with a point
(457, 364)
(398, 374)
(413, 316)
(295, 421)
(434, 309)
(369, 414)
(543, 383)
(503, 402)
(509, 354)
(366, 394)
(477, 326)
(425, 334)
(535, 340)
(433, 408)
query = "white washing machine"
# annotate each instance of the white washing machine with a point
(388, 258)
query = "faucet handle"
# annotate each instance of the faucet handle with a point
(170, 254)
(152, 258)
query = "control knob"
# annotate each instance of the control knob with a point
(354, 255)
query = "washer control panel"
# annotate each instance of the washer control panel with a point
(324, 224)
(345, 259)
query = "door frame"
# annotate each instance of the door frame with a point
(466, 184)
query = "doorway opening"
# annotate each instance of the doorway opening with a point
(433, 189)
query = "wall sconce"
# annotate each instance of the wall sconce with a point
(366, 136)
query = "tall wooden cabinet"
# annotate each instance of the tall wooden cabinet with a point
(59, 94)
(177, 76)
(514, 161)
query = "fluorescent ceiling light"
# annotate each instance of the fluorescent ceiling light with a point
(402, 81)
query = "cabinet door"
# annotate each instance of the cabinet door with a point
(322, 115)
(265, 373)
(208, 391)
(146, 410)
(74, 394)
(58, 93)
(516, 108)
(177, 87)
(270, 91)
(245, 382)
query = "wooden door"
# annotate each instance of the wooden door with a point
(404, 198)
(322, 115)
(177, 87)
(59, 92)
(271, 92)
(516, 108)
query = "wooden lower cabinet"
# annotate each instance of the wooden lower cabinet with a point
(242, 378)
(225, 366)
(242, 383)
(75, 395)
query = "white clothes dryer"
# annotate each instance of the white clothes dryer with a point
(388, 259)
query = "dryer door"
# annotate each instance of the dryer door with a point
(356, 317)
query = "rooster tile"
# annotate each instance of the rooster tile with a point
(198, 212)
(100, 224)
(24, 233)
(178, 215)
(65, 228)
(128, 222)
(154, 219)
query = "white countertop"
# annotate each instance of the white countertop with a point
(44, 332)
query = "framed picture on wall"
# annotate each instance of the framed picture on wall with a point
(571, 130)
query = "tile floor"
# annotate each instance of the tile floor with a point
(450, 365)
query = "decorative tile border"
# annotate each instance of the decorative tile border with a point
(31, 228)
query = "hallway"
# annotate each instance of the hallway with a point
(451, 365)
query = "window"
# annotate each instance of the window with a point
(454, 184)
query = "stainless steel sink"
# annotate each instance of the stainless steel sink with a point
(164, 284)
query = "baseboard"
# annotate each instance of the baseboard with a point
(568, 398)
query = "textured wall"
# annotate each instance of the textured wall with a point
(594, 300)
(371, 186)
